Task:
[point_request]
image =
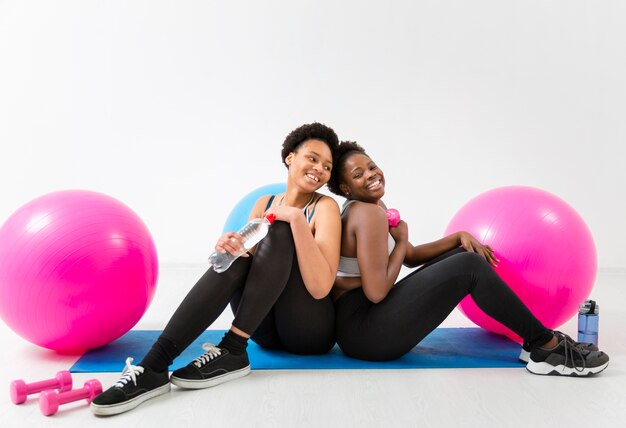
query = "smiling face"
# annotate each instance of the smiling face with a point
(310, 165)
(362, 180)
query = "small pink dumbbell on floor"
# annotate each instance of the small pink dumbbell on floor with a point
(20, 389)
(49, 401)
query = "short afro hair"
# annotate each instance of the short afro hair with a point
(310, 131)
(345, 149)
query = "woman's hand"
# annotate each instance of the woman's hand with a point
(400, 233)
(231, 242)
(472, 245)
(284, 213)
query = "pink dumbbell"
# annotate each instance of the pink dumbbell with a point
(49, 401)
(20, 390)
(393, 217)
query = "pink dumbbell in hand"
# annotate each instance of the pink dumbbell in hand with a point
(393, 217)
(49, 401)
(20, 389)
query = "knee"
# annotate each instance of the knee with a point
(472, 261)
(279, 228)
(471, 257)
(279, 240)
(279, 234)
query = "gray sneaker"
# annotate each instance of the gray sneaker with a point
(524, 353)
(568, 358)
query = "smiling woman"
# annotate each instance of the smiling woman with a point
(279, 292)
(379, 319)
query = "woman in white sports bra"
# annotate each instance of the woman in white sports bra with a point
(379, 319)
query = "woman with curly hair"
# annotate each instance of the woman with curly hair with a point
(378, 319)
(279, 293)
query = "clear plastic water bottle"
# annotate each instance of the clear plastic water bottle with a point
(252, 233)
(588, 322)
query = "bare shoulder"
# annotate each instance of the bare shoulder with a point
(327, 204)
(259, 206)
(368, 213)
(365, 218)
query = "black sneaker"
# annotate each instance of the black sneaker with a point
(524, 353)
(136, 385)
(216, 366)
(568, 358)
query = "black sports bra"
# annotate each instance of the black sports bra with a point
(308, 210)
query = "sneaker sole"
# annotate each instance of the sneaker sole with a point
(544, 368)
(524, 356)
(207, 383)
(114, 409)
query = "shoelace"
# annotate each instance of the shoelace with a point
(570, 346)
(130, 373)
(582, 346)
(212, 352)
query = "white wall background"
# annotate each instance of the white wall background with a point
(178, 108)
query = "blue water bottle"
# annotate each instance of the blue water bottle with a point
(588, 322)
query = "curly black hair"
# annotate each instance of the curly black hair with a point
(345, 149)
(310, 131)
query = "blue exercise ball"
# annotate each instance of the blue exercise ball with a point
(238, 217)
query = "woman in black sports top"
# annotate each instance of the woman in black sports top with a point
(280, 294)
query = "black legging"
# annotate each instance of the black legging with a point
(297, 323)
(418, 303)
(271, 277)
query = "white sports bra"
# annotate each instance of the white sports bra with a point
(349, 266)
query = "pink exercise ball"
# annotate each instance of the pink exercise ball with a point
(546, 251)
(78, 269)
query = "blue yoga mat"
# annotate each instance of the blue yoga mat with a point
(443, 348)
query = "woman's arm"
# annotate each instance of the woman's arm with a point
(420, 254)
(379, 269)
(318, 256)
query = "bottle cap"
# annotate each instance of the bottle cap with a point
(393, 217)
(589, 307)
(270, 218)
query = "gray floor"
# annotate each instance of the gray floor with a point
(347, 398)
